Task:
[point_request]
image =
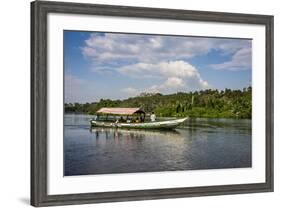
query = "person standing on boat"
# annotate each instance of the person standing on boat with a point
(152, 117)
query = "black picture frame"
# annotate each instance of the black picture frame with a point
(39, 12)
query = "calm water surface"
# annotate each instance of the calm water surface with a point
(198, 144)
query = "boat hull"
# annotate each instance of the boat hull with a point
(171, 124)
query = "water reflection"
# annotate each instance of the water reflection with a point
(198, 144)
(136, 138)
(134, 133)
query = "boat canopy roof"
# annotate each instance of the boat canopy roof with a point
(120, 111)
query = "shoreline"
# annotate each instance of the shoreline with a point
(165, 117)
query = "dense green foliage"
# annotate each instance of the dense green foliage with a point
(208, 103)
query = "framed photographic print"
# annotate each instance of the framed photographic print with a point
(131, 103)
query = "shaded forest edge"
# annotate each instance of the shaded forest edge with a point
(205, 103)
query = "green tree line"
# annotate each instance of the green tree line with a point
(205, 103)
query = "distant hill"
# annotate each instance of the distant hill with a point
(206, 103)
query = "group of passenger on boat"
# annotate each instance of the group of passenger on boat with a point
(131, 118)
(123, 115)
(138, 119)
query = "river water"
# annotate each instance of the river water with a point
(197, 144)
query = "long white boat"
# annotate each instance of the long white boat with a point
(128, 123)
(170, 124)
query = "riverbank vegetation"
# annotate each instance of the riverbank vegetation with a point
(206, 103)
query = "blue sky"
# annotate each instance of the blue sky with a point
(117, 66)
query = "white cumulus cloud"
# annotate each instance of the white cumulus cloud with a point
(112, 47)
(162, 69)
(175, 76)
(163, 60)
(241, 60)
